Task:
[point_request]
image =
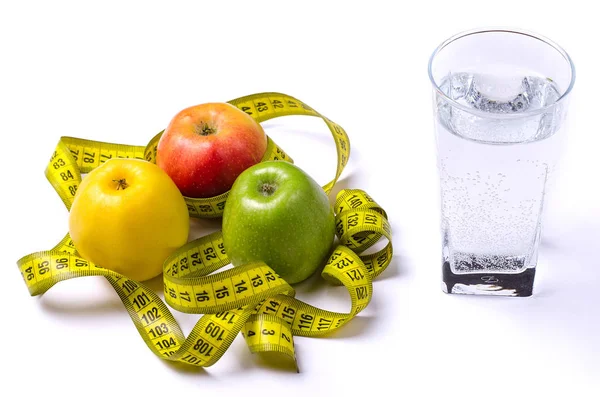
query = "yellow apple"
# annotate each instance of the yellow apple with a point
(128, 216)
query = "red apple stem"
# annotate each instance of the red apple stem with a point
(204, 129)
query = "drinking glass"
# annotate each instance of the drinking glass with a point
(500, 101)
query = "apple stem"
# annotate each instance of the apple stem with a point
(204, 129)
(268, 189)
(121, 183)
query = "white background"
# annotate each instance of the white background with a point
(118, 71)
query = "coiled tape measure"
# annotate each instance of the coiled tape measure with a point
(251, 299)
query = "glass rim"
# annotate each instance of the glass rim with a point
(533, 35)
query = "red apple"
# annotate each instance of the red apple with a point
(205, 148)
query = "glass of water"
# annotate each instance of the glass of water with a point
(500, 101)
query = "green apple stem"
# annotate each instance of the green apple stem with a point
(268, 189)
(121, 184)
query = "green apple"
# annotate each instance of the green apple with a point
(278, 214)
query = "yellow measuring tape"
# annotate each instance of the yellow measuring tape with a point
(252, 298)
